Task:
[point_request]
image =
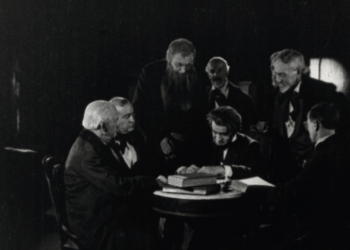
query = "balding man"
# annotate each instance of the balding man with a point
(224, 93)
(105, 198)
(170, 107)
(288, 104)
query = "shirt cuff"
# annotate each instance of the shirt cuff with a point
(228, 171)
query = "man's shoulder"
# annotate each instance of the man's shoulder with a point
(158, 66)
(311, 84)
(87, 144)
(245, 140)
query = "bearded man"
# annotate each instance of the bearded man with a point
(170, 108)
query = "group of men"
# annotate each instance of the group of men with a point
(179, 127)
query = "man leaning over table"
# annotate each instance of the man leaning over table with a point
(234, 155)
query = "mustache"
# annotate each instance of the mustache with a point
(217, 79)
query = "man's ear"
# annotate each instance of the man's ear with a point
(317, 126)
(103, 127)
(168, 56)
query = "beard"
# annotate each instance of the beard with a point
(178, 89)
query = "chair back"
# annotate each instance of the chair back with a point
(54, 170)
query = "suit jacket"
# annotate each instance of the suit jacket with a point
(319, 194)
(311, 92)
(243, 151)
(101, 191)
(239, 101)
(156, 122)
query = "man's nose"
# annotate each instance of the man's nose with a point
(277, 78)
(132, 118)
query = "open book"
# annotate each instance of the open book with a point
(243, 184)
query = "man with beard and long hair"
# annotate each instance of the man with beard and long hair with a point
(170, 108)
(295, 93)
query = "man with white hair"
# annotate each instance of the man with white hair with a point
(106, 200)
(224, 93)
(287, 106)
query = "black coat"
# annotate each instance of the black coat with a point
(319, 195)
(290, 153)
(102, 193)
(239, 101)
(243, 151)
(157, 123)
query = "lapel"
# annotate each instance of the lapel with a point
(116, 159)
(233, 150)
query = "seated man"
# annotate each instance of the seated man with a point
(105, 199)
(234, 155)
(316, 199)
(225, 93)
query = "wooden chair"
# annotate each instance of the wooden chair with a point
(54, 169)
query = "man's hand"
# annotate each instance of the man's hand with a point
(192, 169)
(167, 146)
(217, 170)
(262, 126)
(162, 181)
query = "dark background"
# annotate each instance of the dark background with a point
(68, 53)
(63, 54)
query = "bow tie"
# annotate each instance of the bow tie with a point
(118, 145)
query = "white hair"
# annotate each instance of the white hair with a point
(97, 113)
(217, 59)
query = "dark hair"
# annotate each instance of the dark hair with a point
(226, 116)
(327, 114)
(182, 46)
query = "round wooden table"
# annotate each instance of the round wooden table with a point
(188, 205)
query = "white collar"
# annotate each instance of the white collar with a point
(297, 88)
(322, 139)
(224, 88)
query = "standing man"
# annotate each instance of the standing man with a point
(170, 107)
(287, 106)
(106, 200)
(225, 93)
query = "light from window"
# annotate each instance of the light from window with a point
(329, 70)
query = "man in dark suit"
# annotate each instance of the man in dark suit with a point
(106, 199)
(316, 200)
(225, 93)
(170, 107)
(234, 155)
(287, 107)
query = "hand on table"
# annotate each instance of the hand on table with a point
(188, 170)
(216, 170)
(162, 181)
(262, 126)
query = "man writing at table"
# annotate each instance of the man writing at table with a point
(107, 200)
(234, 154)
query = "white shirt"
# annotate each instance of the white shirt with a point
(290, 124)
(130, 156)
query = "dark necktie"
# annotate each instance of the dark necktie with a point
(294, 100)
(217, 96)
